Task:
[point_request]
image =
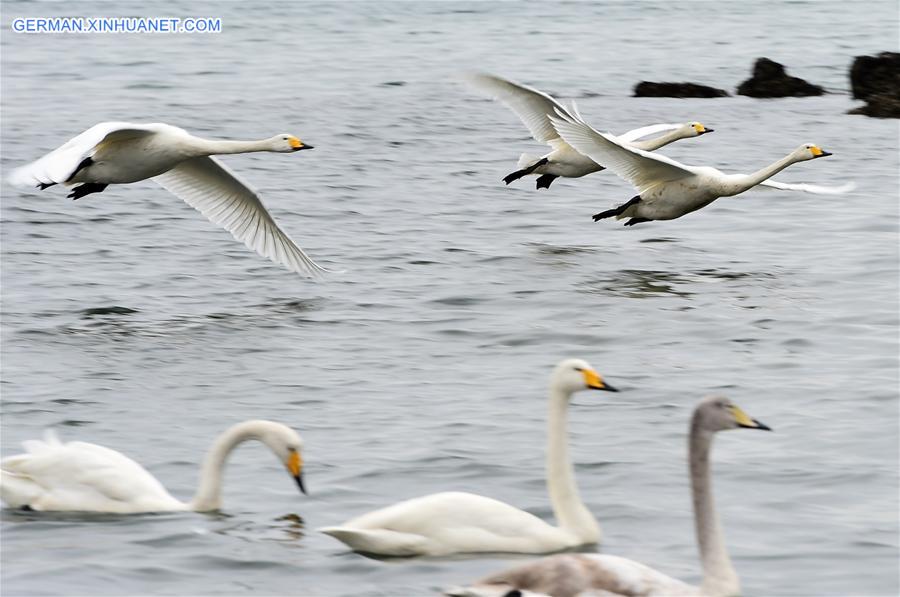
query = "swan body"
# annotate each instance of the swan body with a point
(123, 152)
(534, 108)
(666, 188)
(85, 477)
(571, 575)
(455, 522)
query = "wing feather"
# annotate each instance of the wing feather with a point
(208, 186)
(533, 107)
(641, 168)
(59, 165)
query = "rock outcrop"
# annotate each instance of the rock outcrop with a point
(876, 79)
(770, 80)
(651, 89)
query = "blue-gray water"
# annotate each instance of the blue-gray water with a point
(424, 366)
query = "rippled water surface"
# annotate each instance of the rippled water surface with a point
(128, 320)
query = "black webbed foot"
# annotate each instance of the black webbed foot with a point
(86, 189)
(45, 185)
(634, 221)
(545, 180)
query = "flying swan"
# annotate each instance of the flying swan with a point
(83, 477)
(668, 189)
(533, 108)
(568, 575)
(122, 152)
(455, 522)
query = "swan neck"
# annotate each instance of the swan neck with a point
(657, 142)
(751, 180)
(570, 512)
(209, 491)
(205, 147)
(719, 577)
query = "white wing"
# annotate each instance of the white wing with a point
(58, 165)
(809, 188)
(644, 131)
(78, 476)
(210, 188)
(533, 107)
(641, 168)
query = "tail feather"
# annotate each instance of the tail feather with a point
(526, 159)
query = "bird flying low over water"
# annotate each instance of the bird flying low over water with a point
(122, 152)
(668, 189)
(535, 107)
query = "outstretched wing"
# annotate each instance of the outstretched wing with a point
(59, 165)
(641, 168)
(809, 188)
(213, 190)
(533, 107)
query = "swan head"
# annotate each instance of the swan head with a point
(286, 444)
(810, 151)
(575, 375)
(717, 413)
(695, 129)
(285, 143)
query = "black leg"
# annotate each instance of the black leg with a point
(617, 211)
(545, 180)
(524, 171)
(86, 189)
(45, 185)
(634, 221)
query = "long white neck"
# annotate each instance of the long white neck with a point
(657, 142)
(209, 491)
(719, 577)
(204, 147)
(571, 513)
(747, 181)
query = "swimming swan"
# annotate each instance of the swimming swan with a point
(568, 575)
(454, 522)
(83, 477)
(668, 189)
(122, 152)
(533, 107)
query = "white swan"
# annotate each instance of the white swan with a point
(533, 107)
(454, 522)
(123, 152)
(568, 575)
(83, 477)
(668, 189)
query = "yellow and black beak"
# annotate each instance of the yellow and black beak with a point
(295, 467)
(702, 130)
(297, 144)
(818, 152)
(743, 420)
(593, 380)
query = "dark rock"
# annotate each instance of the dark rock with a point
(870, 75)
(881, 105)
(650, 89)
(770, 80)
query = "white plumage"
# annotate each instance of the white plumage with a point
(668, 189)
(534, 109)
(84, 477)
(456, 522)
(122, 152)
